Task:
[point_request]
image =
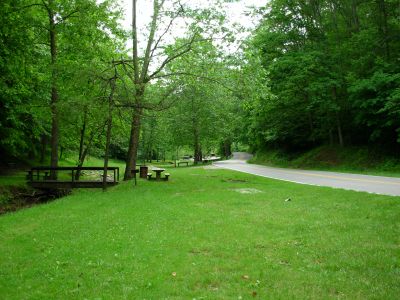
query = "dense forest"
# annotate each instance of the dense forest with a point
(333, 72)
(311, 73)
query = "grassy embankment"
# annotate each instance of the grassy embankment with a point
(349, 160)
(199, 236)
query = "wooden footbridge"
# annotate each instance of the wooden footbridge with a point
(71, 177)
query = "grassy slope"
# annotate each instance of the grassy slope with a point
(350, 159)
(127, 242)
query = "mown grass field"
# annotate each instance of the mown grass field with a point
(198, 236)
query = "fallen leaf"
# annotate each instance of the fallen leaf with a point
(245, 277)
(173, 274)
(254, 293)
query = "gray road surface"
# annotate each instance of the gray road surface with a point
(365, 183)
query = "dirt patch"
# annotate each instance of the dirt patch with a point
(202, 251)
(13, 198)
(247, 191)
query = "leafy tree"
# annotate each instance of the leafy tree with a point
(149, 67)
(331, 72)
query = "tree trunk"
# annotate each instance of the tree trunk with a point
(227, 148)
(330, 137)
(354, 16)
(107, 150)
(86, 149)
(133, 143)
(197, 146)
(338, 123)
(43, 142)
(339, 131)
(108, 134)
(54, 93)
(80, 163)
(83, 131)
(61, 152)
(383, 26)
(311, 126)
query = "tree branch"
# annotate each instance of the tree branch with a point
(153, 26)
(196, 76)
(166, 31)
(173, 57)
(135, 43)
(25, 7)
(71, 14)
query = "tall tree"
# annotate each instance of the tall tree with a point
(149, 66)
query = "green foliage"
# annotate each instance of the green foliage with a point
(199, 96)
(88, 36)
(365, 160)
(333, 72)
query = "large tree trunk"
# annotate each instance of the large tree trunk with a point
(137, 112)
(54, 93)
(133, 143)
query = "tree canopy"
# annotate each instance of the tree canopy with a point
(74, 81)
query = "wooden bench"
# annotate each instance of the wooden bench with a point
(150, 176)
(183, 162)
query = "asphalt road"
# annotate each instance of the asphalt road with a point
(365, 183)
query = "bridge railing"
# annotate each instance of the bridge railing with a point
(50, 174)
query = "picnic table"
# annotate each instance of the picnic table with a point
(158, 172)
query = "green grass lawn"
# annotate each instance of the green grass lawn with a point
(198, 236)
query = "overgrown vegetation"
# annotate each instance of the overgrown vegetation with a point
(349, 159)
(332, 72)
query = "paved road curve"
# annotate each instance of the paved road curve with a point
(371, 184)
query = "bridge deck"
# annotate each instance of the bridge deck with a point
(67, 184)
